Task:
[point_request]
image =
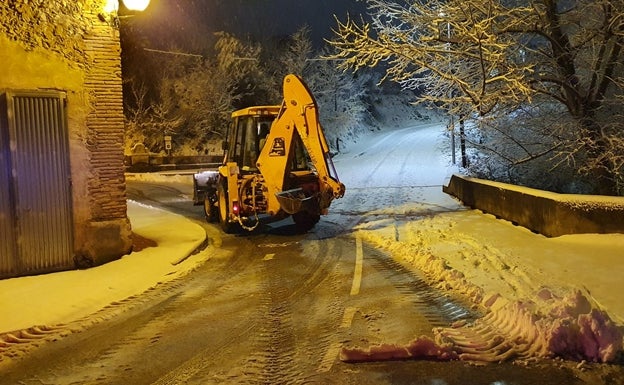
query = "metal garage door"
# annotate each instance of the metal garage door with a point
(36, 226)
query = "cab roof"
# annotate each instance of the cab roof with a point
(257, 111)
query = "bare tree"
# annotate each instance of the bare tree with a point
(341, 96)
(136, 116)
(196, 95)
(490, 59)
(283, 56)
(296, 57)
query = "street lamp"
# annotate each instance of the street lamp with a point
(133, 5)
(111, 9)
(136, 5)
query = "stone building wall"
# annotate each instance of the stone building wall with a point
(64, 45)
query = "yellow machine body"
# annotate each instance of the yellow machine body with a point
(277, 163)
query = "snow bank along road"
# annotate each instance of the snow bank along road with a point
(544, 296)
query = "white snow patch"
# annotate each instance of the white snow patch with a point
(58, 298)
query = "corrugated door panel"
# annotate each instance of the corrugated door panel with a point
(8, 252)
(42, 190)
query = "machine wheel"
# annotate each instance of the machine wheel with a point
(305, 220)
(223, 210)
(211, 210)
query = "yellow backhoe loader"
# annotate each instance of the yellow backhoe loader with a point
(276, 164)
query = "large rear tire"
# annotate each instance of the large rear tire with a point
(305, 221)
(223, 210)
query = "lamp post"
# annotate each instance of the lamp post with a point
(451, 125)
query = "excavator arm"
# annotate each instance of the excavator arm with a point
(298, 118)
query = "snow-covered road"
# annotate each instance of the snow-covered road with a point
(396, 173)
(542, 296)
(406, 157)
(563, 294)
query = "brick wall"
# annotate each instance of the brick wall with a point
(105, 123)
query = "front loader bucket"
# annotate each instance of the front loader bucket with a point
(295, 200)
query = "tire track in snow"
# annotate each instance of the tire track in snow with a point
(112, 359)
(510, 330)
(437, 307)
(372, 174)
(282, 348)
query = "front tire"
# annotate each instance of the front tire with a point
(224, 210)
(211, 210)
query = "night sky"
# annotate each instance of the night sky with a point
(170, 20)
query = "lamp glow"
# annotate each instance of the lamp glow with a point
(110, 14)
(136, 5)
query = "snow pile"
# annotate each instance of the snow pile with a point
(421, 348)
(579, 330)
(541, 297)
(510, 332)
(571, 328)
(546, 325)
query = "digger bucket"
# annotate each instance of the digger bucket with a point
(295, 200)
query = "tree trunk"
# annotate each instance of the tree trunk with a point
(462, 143)
(596, 148)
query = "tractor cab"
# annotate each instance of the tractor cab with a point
(247, 137)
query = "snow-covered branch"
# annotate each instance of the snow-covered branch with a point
(490, 58)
